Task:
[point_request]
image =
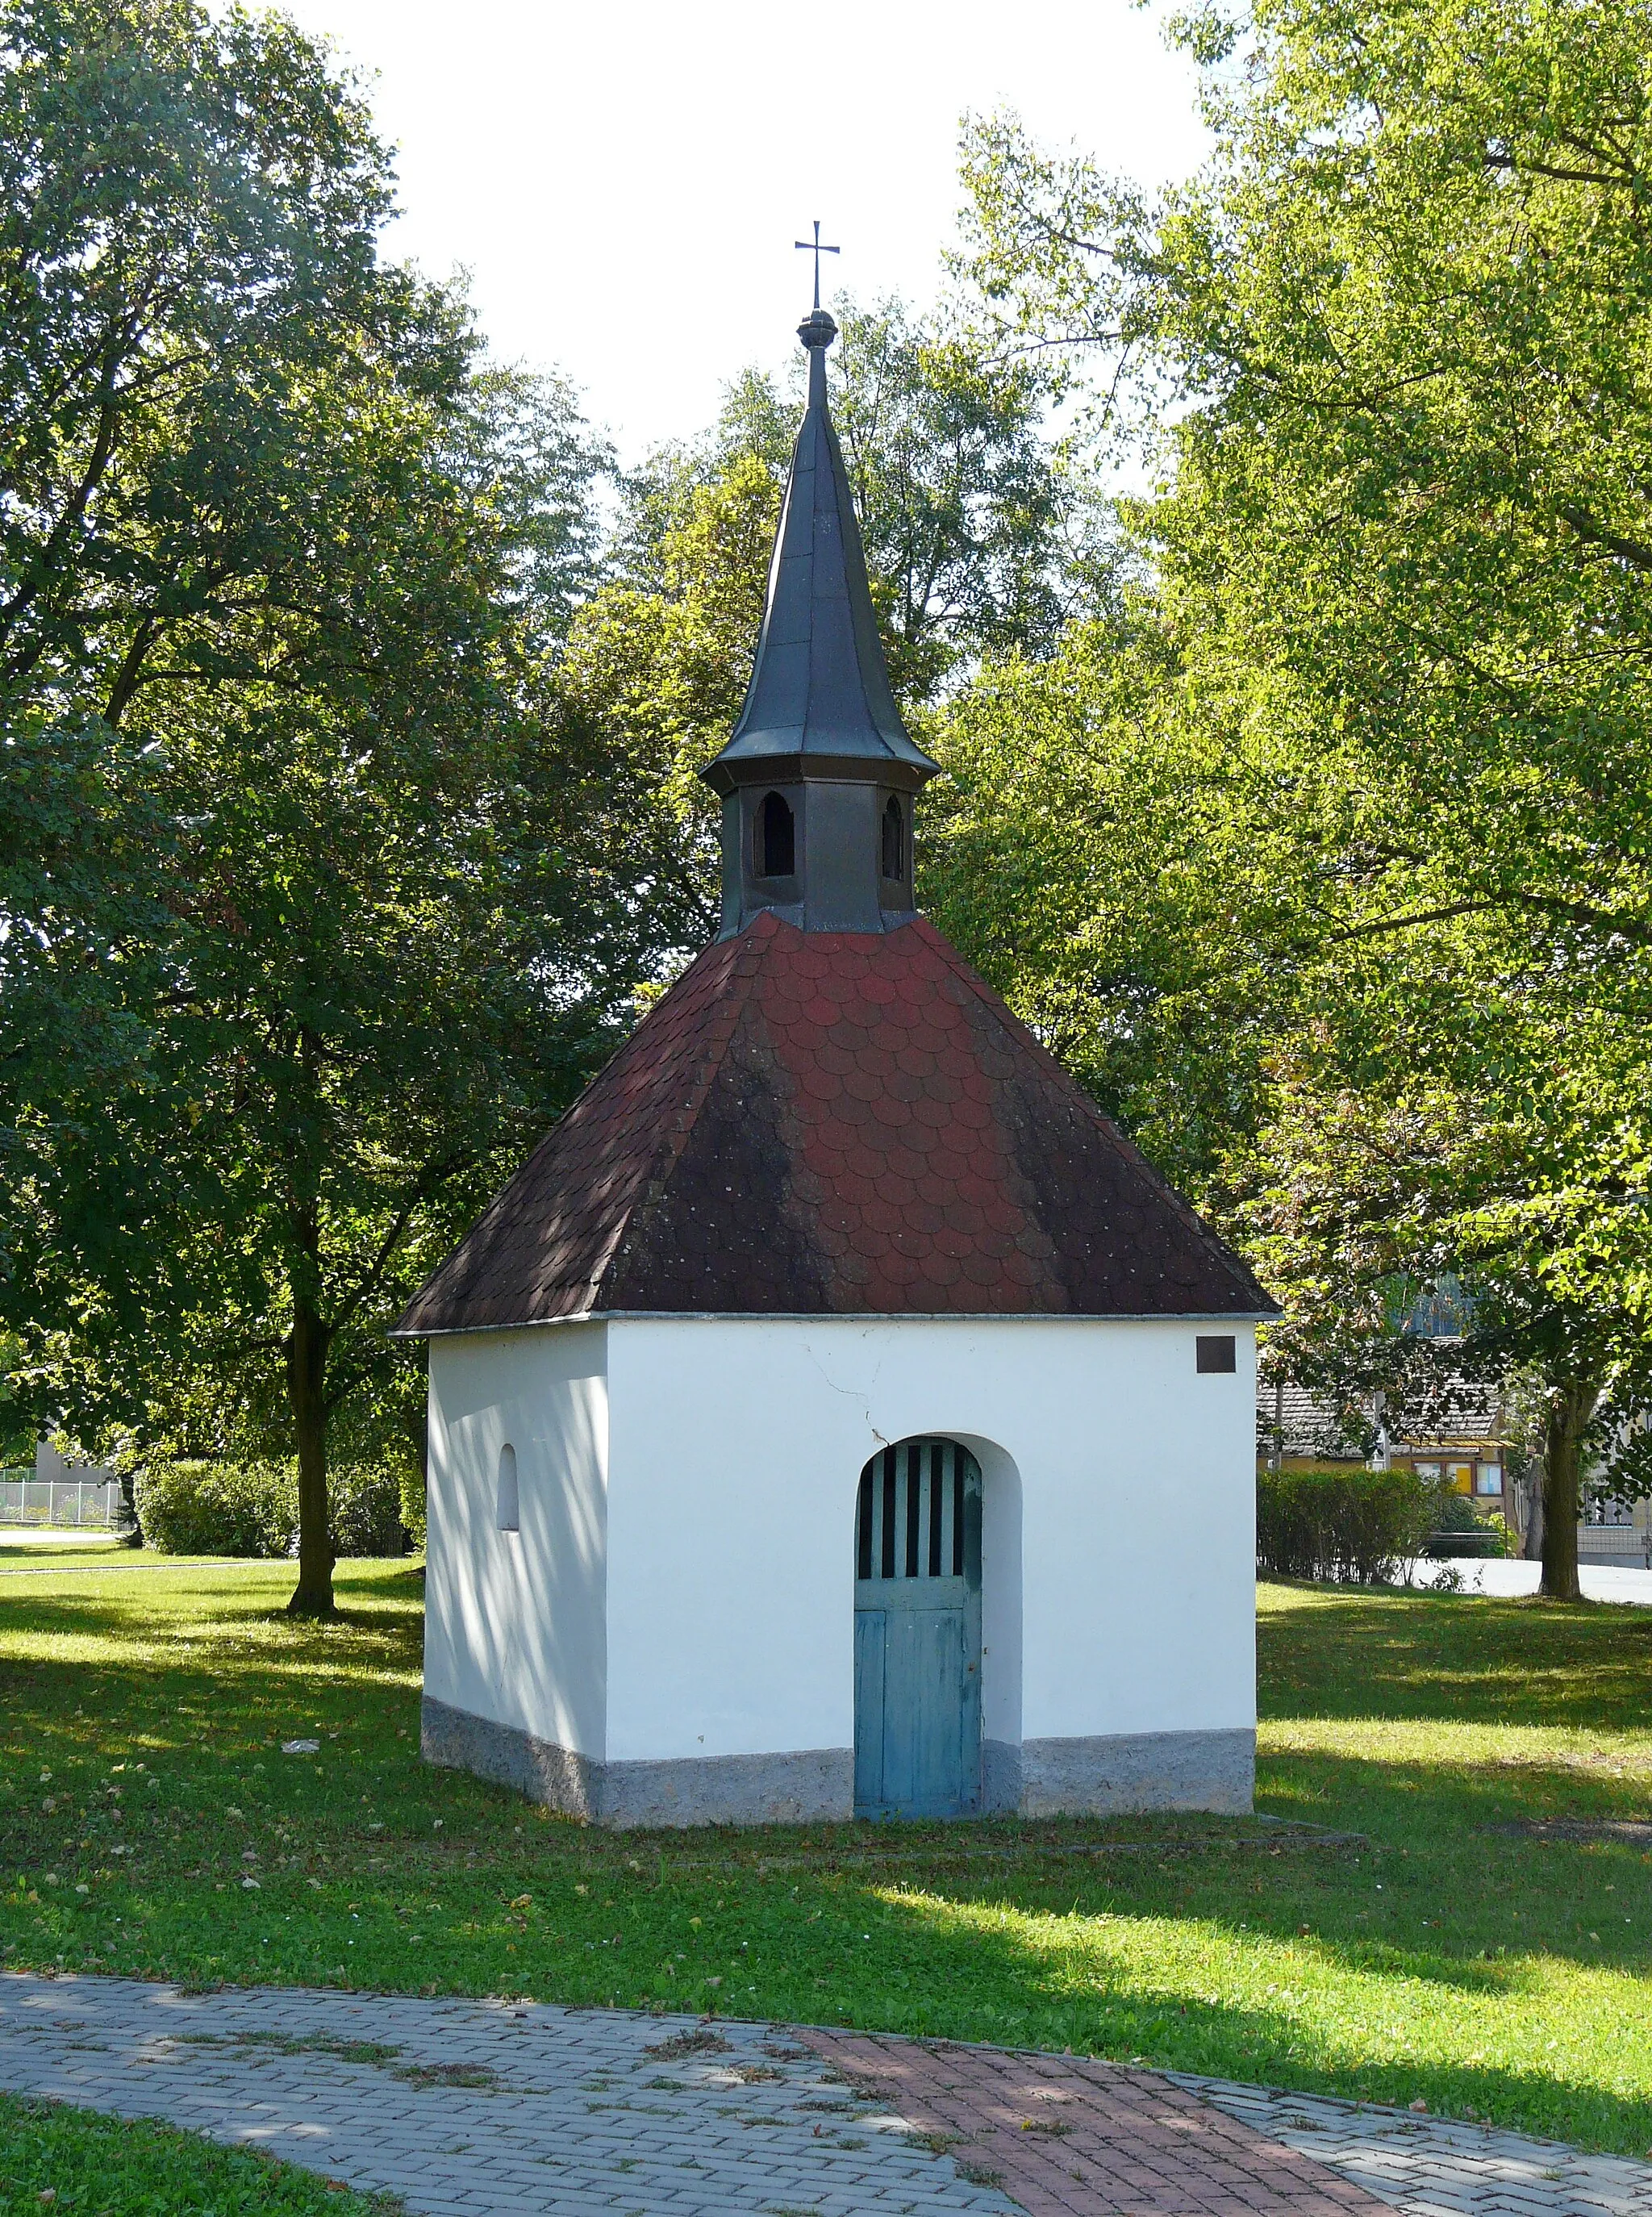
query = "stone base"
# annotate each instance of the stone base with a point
(808, 1786)
(454, 1739)
(1104, 1776)
(1000, 1778)
(1097, 1777)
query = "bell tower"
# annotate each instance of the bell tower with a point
(819, 778)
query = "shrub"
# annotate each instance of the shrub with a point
(1459, 1529)
(218, 1508)
(366, 1503)
(252, 1509)
(413, 1518)
(1341, 1522)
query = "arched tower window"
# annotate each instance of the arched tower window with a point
(777, 838)
(508, 1507)
(894, 840)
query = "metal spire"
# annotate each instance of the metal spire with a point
(820, 735)
(819, 687)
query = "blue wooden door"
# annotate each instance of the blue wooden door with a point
(917, 1633)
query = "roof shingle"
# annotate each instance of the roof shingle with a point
(833, 1124)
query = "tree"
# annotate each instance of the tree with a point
(304, 950)
(982, 535)
(1403, 556)
(386, 976)
(1102, 860)
(188, 219)
(652, 681)
(1363, 1189)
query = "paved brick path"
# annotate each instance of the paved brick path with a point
(480, 2109)
(494, 2109)
(1066, 2137)
(1428, 2164)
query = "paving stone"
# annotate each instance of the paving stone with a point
(574, 2095)
(582, 2115)
(1434, 2166)
(1067, 2137)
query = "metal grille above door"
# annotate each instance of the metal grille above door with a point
(911, 1521)
(917, 1632)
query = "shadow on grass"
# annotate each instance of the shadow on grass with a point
(1415, 1801)
(1308, 1902)
(211, 1614)
(200, 1669)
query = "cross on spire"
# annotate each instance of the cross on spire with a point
(813, 246)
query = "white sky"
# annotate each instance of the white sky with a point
(623, 179)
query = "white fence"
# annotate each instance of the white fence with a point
(68, 1502)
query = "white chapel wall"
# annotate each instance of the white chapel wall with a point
(1138, 1536)
(514, 1620)
(735, 1446)
(730, 1560)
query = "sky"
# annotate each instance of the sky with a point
(623, 180)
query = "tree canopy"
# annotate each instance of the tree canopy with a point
(351, 801)
(1399, 565)
(286, 567)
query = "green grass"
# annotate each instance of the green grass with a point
(54, 2158)
(1449, 1955)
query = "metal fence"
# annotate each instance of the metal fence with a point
(69, 1504)
(1625, 1544)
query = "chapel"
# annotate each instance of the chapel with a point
(837, 1415)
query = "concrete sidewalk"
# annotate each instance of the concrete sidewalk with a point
(1507, 1579)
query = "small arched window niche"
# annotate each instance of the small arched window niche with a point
(507, 1501)
(894, 857)
(777, 838)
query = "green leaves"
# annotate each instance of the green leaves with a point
(981, 535)
(1402, 579)
(293, 957)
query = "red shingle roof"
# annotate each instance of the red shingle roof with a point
(847, 1124)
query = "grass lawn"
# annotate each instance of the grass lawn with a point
(150, 1823)
(20, 1547)
(56, 2158)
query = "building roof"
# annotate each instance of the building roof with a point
(1469, 1415)
(834, 1124)
(820, 693)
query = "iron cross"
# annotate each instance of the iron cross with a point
(813, 246)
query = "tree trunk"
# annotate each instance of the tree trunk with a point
(306, 1370)
(134, 1535)
(1571, 1403)
(1532, 1550)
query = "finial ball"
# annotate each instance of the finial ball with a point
(818, 330)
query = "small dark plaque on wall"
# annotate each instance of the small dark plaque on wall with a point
(1215, 1351)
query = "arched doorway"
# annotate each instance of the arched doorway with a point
(917, 1632)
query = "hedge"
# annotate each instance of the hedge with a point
(1341, 1522)
(252, 1509)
